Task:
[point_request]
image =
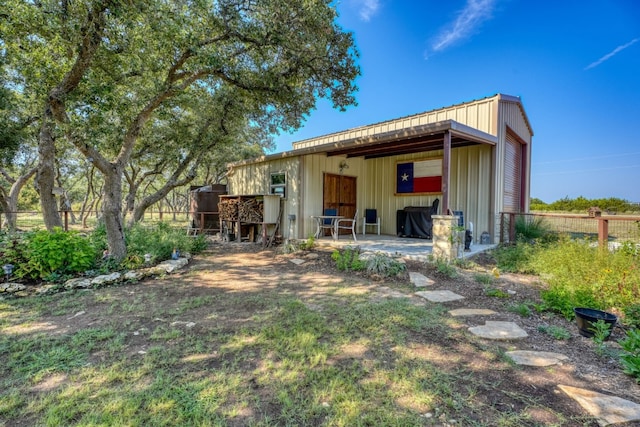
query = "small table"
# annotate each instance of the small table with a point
(320, 224)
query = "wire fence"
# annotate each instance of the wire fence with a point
(88, 220)
(604, 229)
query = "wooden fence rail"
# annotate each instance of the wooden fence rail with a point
(606, 228)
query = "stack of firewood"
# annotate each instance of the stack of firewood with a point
(250, 210)
(228, 209)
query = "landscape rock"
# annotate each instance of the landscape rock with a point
(498, 331)
(78, 282)
(459, 312)
(106, 279)
(419, 280)
(536, 358)
(169, 266)
(607, 409)
(10, 287)
(439, 296)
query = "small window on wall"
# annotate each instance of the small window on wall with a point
(278, 183)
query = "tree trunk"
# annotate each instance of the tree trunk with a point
(112, 209)
(45, 177)
(151, 199)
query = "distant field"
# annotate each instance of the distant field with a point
(621, 227)
(27, 221)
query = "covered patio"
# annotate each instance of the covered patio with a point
(407, 248)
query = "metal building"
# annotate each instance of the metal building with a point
(475, 157)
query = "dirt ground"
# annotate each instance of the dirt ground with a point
(228, 268)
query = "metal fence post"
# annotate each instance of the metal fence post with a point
(512, 227)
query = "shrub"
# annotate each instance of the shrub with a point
(523, 309)
(583, 276)
(384, 265)
(531, 229)
(446, 269)
(556, 332)
(483, 278)
(630, 357)
(57, 252)
(497, 293)
(159, 242)
(515, 258)
(348, 259)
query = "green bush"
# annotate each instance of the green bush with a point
(515, 258)
(348, 259)
(384, 265)
(158, 241)
(556, 332)
(579, 274)
(531, 228)
(446, 269)
(54, 253)
(630, 357)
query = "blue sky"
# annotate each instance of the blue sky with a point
(575, 65)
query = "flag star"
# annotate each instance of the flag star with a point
(405, 177)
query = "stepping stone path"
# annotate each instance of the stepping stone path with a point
(461, 312)
(536, 358)
(499, 331)
(606, 409)
(420, 280)
(439, 296)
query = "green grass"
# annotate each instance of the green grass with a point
(348, 360)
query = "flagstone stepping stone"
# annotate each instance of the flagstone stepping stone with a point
(471, 312)
(420, 280)
(536, 358)
(439, 296)
(498, 331)
(297, 261)
(607, 409)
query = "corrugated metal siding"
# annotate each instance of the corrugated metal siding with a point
(510, 115)
(469, 187)
(479, 114)
(512, 175)
(254, 179)
(312, 172)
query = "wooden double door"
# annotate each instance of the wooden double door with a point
(339, 193)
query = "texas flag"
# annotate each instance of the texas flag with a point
(419, 177)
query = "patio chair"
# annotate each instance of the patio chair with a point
(347, 224)
(371, 218)
(327, 224)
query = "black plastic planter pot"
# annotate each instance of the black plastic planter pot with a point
(586, 317)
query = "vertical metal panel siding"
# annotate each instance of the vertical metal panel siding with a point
(478, 114)
(469, 191)
(254, 179)
(510, 114)
(315, 166)
(512, 182)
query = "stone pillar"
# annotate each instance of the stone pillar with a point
(448, 242)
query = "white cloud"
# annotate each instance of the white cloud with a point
(610, 54)
(367, 8)
(466, 23)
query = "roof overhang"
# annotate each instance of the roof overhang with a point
(427, 137)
